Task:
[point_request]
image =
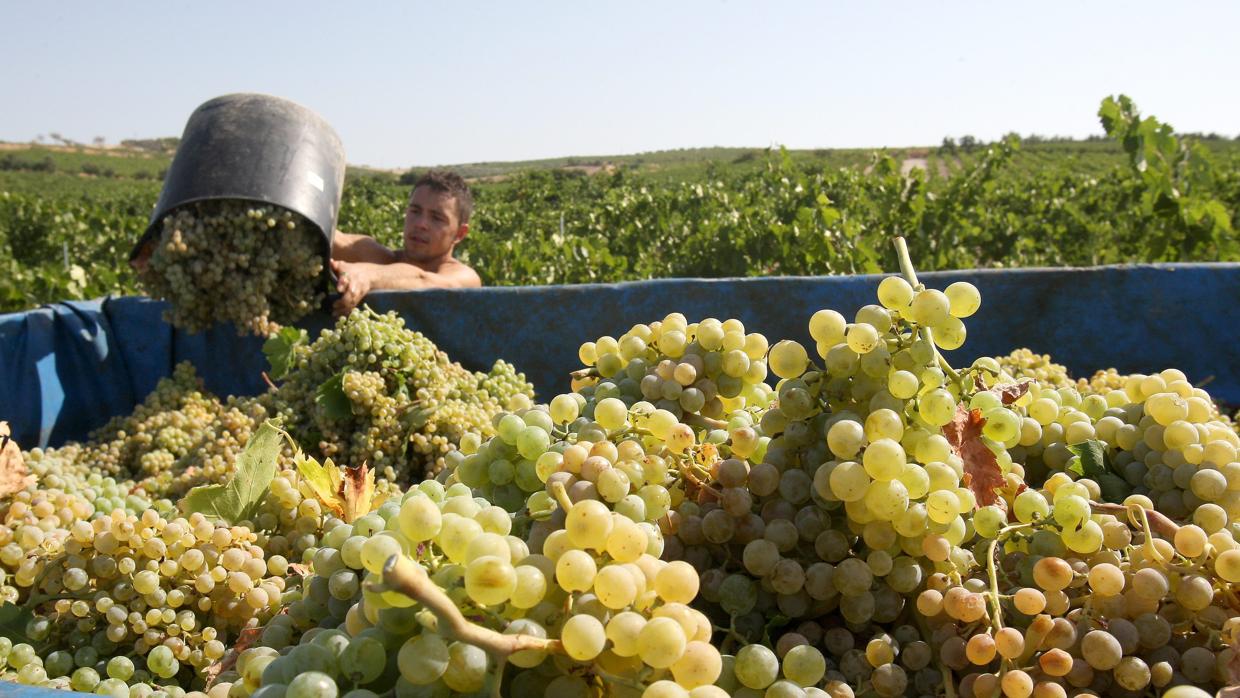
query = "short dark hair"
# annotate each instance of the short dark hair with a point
(449, 183)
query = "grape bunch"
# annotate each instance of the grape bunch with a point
(372, 391)
(705, 368)
(1022, 363)
(344, 631)
(256, 266)
(693, 383)
(179, 437)
(128, 599)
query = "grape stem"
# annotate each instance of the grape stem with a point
(609, 677)
(561, 496)
(910, 275)
(697, 420)
(1150, 520)
(997, 620)
(687, 469)
(403, 575)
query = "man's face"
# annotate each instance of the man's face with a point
(432, 228)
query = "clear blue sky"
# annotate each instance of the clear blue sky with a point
(413, 83)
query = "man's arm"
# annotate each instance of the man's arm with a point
(357, 280)
(401, 276)
(348, 247)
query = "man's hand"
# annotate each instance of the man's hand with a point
(143, 259)
(353, 281)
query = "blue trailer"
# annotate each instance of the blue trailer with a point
(67, 368)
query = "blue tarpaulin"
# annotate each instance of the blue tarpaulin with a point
(68, 367)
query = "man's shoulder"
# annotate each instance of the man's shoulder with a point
(462, 272)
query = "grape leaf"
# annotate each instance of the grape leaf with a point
(777, 621)
(236, 500)
(348, 492)
(981, 468)
(1091, 458)
(14, 476)
(13, 620)
(330, 396)
(359, 493)
(279, 350)
(1092, 463)
(1011, 392)
(323, 479)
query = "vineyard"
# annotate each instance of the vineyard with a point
(1145, 196)
(695, 510)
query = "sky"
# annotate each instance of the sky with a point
(420, 83)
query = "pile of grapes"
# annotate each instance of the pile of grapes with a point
(180, 436)
(371, 391)
(256, 266)
(879, 523)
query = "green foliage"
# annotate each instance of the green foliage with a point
(279, 350)
(236, 500)
(1179, 181)
(1147, 196)
(1092, 463)
(331, 397)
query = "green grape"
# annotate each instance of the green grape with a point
(862, 338)
(611, 413)
(490, 580)
(362, 660)
(84, 680)
(564, 409)
(699, 665)
(884, 459)
(1070, 510)
(1001, 424)
(112, 687)
(583, 636)
(845, 438)
(423, 659)
(660, 643)
(894, 293)
(804, 665)
(312, 684)
(467, 668)
(950, 334)
(929, 308)
(988, 520)
(756, 666)
(964, 298)
(120, 668)
(937, 407)
(788, 359)
(1030, 505)
(376, 551)
(1085, 539)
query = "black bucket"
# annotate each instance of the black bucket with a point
(256, 147)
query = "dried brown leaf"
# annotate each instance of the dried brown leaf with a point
(357, 493)
(14, 476)
(981, 470)
(1011, 392)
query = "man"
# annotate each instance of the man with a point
(436, 219)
